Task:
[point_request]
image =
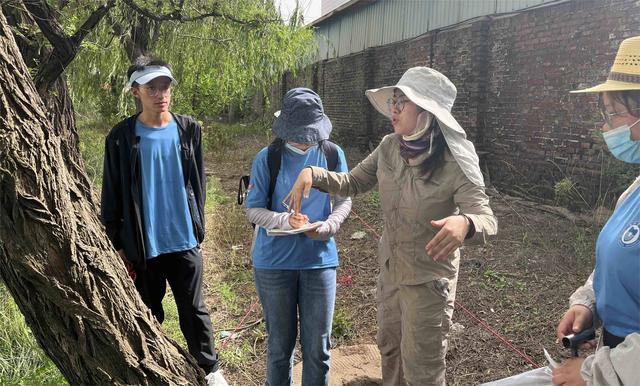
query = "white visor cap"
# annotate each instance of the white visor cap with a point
(149, 73)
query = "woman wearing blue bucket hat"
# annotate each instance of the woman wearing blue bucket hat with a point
(295, 274)
(432, 199)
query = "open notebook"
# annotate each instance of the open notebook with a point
(282, 232)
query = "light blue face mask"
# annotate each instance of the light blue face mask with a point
(621, 145)
(296, 150)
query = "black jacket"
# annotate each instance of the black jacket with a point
(121, 208)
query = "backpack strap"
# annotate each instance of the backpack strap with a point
(243, 187)
(274, 159)
(330, 151)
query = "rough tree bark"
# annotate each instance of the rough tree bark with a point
(31, 19)
(56, 260)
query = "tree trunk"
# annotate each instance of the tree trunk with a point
(59, 107)
(55, 92)
(56, 260)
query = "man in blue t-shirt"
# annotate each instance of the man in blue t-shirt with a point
(153, 195)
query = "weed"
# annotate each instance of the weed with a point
(227, 227)
(495, 279)
(374, 199)
(566, 194)
(236, 357)
(342, 325)
(229, 296)
(241, 275)
(260, 332)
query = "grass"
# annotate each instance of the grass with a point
(237, 356)
(92, 135)
(229, 296)
(215, 195)
(222, 136)
(342, 328)
(22, 361)
(171, 324)
(374, 199)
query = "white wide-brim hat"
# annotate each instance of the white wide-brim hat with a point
(425, 87)
(435, 93)
(149, 73)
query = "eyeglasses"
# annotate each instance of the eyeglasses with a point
(607, 116)
(155, 91)
(397, 103)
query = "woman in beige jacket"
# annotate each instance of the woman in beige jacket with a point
(433, 199)
(611, 295)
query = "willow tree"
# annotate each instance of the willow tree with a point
(56, 261)
(222, 52)
(55, 258)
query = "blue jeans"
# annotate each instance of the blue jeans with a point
(284, 294)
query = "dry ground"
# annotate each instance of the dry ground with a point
(518, 283)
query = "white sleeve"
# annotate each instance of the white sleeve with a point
(585, 296)
(268, 219)
(339, 212)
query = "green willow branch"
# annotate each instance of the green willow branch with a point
(178, 16)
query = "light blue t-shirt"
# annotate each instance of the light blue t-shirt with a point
(166, 219)
(294, 251)
(616, 280)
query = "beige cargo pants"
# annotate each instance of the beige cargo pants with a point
(413, 325)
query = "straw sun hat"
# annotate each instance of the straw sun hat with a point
(625, 72)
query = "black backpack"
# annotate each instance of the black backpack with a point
(274, 158)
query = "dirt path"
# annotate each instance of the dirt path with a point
(518, 283)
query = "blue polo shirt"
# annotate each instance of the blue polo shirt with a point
(166, 218)
(293, 251)
(616, 280)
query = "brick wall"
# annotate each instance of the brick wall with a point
(513, 75)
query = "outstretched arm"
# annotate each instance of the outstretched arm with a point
(361, 179)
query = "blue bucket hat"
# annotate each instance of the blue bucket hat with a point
(302, 118)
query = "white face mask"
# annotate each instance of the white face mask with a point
(296, 150)
(422, 125)
(621, 145)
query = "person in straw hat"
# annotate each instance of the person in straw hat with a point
(295, 275)
(611, 295)
(433, 199)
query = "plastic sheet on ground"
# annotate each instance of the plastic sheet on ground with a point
(536, 377)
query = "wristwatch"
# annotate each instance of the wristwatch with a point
(472, 228)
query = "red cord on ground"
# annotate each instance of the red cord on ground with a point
(230, 337)
(477, 319)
